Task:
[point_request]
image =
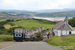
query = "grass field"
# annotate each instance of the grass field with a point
(62, 43)
(32, 23)
(4, 38)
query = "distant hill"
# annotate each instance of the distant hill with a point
(57, 14)
(22, 13)
(3, 13)
(18, 11)
(53, 10)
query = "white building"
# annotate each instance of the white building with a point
(60, 29)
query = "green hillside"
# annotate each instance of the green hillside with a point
(33, 23)
(6, 26)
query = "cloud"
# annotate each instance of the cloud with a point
(36, 4)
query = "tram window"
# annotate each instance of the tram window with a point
(16, 31)
(20, 30)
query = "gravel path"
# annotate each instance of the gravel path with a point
(31, 46)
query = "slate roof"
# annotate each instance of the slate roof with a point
(61, 26)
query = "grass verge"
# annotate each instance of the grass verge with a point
(62, 43)
(4, 38)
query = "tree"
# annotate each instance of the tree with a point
(72, 22)
(2, 27)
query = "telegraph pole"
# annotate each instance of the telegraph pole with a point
(66, 23)
(66, 31)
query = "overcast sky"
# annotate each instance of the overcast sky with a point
(36, 4)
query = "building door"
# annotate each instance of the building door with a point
(53, 34)
(70, 33)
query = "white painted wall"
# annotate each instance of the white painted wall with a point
(64, 32)
(73, 32)
(58, 32)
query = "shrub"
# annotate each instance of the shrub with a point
(39, 37)
(6, 38)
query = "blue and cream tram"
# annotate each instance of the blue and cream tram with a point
(19, 33)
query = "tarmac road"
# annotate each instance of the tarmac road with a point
(31, 46)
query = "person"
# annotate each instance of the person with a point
(48, 34)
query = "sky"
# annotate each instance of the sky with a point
(32, 5)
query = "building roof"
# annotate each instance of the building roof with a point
(61, 26)
(19, 27)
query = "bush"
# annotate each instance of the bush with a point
(1, 32)
(39, 37)
(6, 32)
(32, 38)
(2, 27)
